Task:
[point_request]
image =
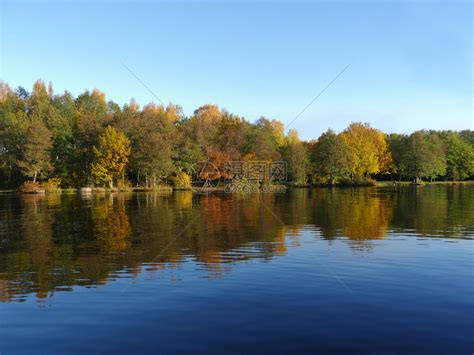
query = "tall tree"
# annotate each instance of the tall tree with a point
(153, 141)
(427, 156)
(368, 150)
(13, 123)
(332, 157)
(266, 139)
(459, 156)
(204, 125)
(110, 157)
(64, 153)
(399, 147)
(36, 160)
(91, 115)
(467, 136)
(40, 105)
(297, 158)
(232, 135)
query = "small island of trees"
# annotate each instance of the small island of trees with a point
(70, 142)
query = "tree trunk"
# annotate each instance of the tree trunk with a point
(9, 173)
(34, 176)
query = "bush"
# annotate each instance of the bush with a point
(182, 181)
(52, 185)
(124, 185)
(30, 187)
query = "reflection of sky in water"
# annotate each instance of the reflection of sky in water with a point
(55, 242)
(313, 271)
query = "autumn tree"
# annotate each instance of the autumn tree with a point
(297, 158)
(91, 116)
(232, 135)
(40, 105)
(55, 134)
(266, 139)
(368, 150)
(203, 125)
(110, 157)
(36, 160)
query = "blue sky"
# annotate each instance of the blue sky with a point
(410, 62)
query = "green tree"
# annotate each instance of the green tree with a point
(153, 143)
(40, 105)
(266, 139)
(331, 157)
(187, 150)
(399, 147)
(91, 116)
(426, 156)
(467, 136)
(459, 156)
(110, 157)
(13, 123)
(36, 160)
(64, 153)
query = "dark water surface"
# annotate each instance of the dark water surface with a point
(364, 271)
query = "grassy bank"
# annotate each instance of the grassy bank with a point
(222, 189)
(424, 183)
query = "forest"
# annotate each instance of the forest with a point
(70, 142)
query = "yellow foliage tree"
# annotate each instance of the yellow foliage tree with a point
(368, 150)
(111, 157)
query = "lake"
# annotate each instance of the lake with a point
(344, 271)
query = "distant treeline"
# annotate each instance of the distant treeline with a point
(87, 140)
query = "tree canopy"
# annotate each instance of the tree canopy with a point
(88, 140)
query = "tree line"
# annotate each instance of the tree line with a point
(89, 141)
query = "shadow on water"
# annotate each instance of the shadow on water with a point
(55, 242)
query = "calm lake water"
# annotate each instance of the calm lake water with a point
(349, 271)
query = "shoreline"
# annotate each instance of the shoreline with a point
(378, 184)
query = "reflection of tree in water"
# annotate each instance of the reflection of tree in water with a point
(358, 214)
(366, 218)
(35, 252)
(111, 224)
(436, 211)
(55, 242)
(212, 232)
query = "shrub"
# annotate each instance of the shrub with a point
(30, 187)
(52, 185)
(182, 181)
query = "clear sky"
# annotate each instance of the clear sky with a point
(410, 62)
